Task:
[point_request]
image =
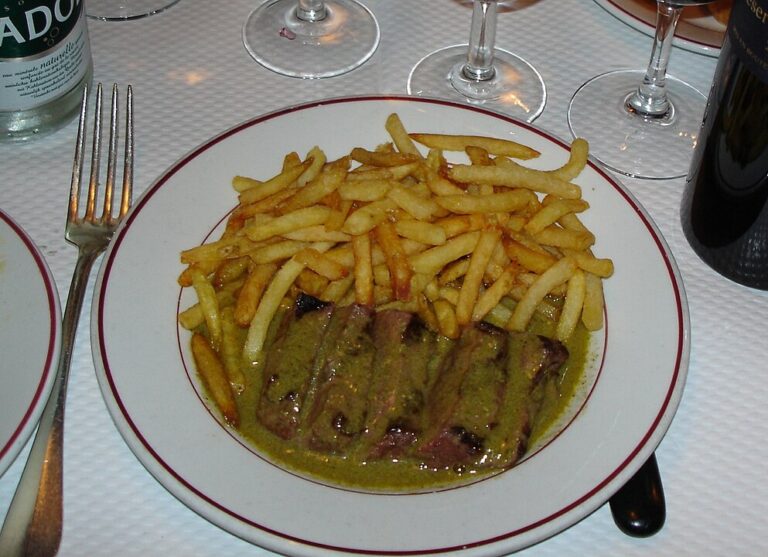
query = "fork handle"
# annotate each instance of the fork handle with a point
(33, 524)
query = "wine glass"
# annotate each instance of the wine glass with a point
(112, 10)
(311, 38)
(478, 73)
(639, 123)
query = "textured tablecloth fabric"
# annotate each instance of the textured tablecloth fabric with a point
(193, 78)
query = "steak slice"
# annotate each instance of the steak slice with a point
(486, 400)
(339, 389)
(463, 405)
(532, 358)
(289, 365)
(401, 373)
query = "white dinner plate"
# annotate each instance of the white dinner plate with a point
(30, 331)
(697, 30)
(156, 402)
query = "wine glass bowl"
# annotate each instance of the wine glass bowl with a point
(480, 73)
(642, 123)
(311, 39)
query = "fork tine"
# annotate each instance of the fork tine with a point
(95, 158)
(77, 165)
(125, 202)
(109, 186)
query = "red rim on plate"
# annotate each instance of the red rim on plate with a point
(12, 445)
(209, 505)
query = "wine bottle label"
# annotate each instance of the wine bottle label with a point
(748, 34)
(44, 51)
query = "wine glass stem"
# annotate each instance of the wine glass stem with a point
(482, 36)
(311, 10)
(650, 99)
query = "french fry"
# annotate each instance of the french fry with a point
(209, 304)
(399, 268)
(441, 186)
(313, 284)
(322, 185)
(291, 160)
(381, 276)
(574, 302)
(337, 289)
(588, 262)
(317, 233)
(366, 190)
(268, 306)
(321, 264)
(446, 318)
(400, 137)
(478, 155)
(376, 158)
(365, 174)
(227, 248)
(592, 314)
(244, 212)
(453, 271)
(533, 260)
(193, 316)
(420, 231)
(550, 213)
(302, 218)
(317, 158)
(277, 251)
(564, 238)
(366, 218)
(493, 146)
(432, 260)
(363, 270)
(576, 161)
(250, 294)
(336, 218)
(230, 270)
(459, 224)
(556, 275)
(214, 376)
(492, 295)
(416, 206)
(273, 185)
(231, 350)
(470, 287)
(515, 176)
(489, 203)
(242, 183)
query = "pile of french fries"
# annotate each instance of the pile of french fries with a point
(400, 227)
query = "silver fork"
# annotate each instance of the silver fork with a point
(34, 520)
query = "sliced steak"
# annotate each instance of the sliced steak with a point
(463, 405)
(404, 349)
(531, 359)
(339, 388)
(289, 366)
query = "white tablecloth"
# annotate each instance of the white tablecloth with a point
(192, 78)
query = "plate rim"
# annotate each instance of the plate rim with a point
(23, 430)
(275, 540)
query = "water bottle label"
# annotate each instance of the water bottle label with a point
(44, 51)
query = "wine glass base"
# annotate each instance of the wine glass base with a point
(278, 40)
(629, 143)
(516, 88)
(121, 10)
